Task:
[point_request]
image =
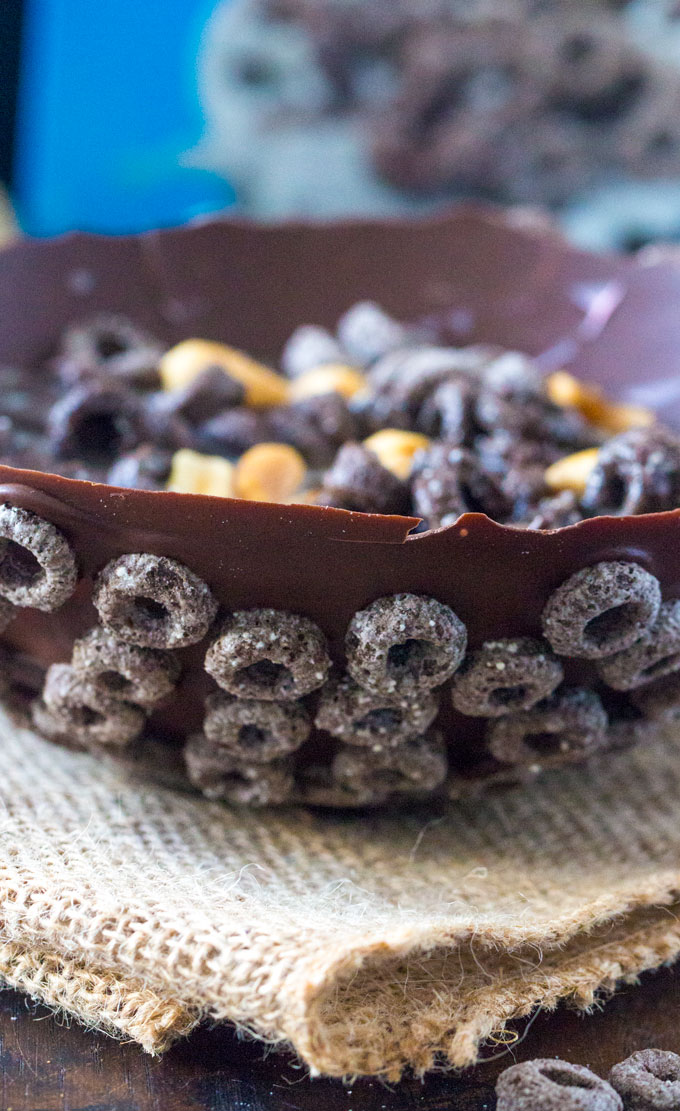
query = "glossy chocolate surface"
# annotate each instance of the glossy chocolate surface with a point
(480, 276)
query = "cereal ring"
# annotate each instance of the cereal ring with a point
(253, 731)
(218, 776)
(308, 347)
(124, 672)
(404, 643)
(504, 676)
(366, 332)
(648, 1080)
(636, 472)
(357, 480)
(554, 1085)
(654, 654)
(601, 610)
(37, 564)
(359, 717)
(660, 700)
(402, 381)
(417, 764)
(95, 423)
(153, 601)
(447, 481)
(449, 412)
(564, 728)
(268, 654)
(315, 786)
(86, 713)
(110, 345)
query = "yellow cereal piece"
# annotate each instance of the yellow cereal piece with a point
(269, 472)
(193, 473)
(611, 416)
(573, 471)
(184, 362)
(330, 378)
(396, 448)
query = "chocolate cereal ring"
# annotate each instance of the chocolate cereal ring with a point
(85, 713)
(308, 347)
(554, 1085)
(648, 1080)
(219, 776)
(123, 671)
(404, 643)
(448, 481)
(357, 480)
(255, 731)
(153, 601)
(564, 728)
(654, 654)
(417, 764)
(37, 564)
(504, 676)
(268, 654)
(366, 332)
(659, 700)
(601, 610)
(110, 345)
(360, 717)
(636, 472)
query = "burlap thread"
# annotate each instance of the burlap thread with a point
(368, 944)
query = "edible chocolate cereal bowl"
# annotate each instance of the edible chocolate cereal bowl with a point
(348, 514)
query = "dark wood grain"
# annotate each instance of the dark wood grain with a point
(45, 1065)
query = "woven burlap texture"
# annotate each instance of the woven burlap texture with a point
(368, 944)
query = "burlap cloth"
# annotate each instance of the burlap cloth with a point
(368, 944)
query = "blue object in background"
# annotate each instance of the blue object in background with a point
(107, 107)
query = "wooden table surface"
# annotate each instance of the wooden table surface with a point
(46, 1065)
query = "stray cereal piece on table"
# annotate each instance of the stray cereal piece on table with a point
(548, 1084)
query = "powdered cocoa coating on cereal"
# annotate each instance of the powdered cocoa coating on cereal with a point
(308, 347)
(636, 472)
(648, 1080)
(447, 481)
(219, 776)
(417, 764)
(404, 643)
(504, 676)
(125, 672)
(255, 731)
(654, 654)
(37, 564)
(554, 1085)
(366, 333)
(153, 601)
(565, 728)
(268, 654)
(359, 717)
(85, 713)
(601, 609)
(357, 480)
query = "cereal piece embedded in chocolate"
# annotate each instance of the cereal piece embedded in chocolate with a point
(660, 699)
(449, 481)
(548, 1084)
(655, 654)
(417, 764)
(331, 378)
(375, 721)
(153, 601)
(268, 654)
(95, 423)
(636, 472)
(357, 480)
(88, 715)
(255, 731)
(366, 332)
(307, 347)
(214, 771)
(648, 1080)
(124, 672)
(504, 676)
(564, 728)
(37, 565)
(403, 644)
(146, 468)
(109, 345)
(601, 609)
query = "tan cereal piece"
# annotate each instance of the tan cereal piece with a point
(184, 362)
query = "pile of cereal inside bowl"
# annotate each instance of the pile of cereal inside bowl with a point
(373, 419)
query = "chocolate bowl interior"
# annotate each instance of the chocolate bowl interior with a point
(480, 276)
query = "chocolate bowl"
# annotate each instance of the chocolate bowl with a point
(475, 275)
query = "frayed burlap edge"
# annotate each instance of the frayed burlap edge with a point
(101, 1001)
